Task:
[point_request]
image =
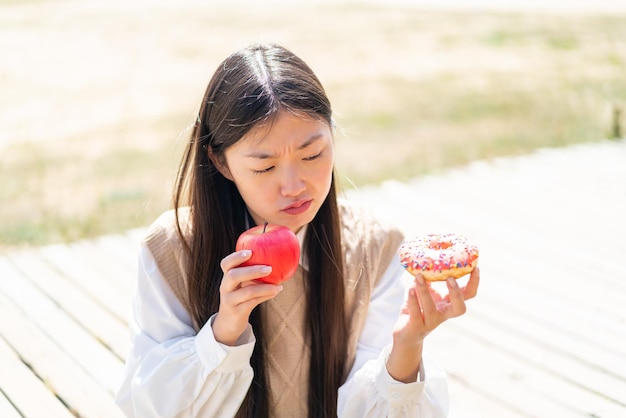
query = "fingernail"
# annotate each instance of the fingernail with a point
(419, 278)
(452, 282)
(279, 288)
(266, 269)
(245, 253)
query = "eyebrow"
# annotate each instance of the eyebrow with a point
(264, 156)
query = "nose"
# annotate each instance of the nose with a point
(292, 182)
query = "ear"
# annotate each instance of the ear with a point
(220, 163)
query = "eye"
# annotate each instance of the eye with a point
(313, 157)
(265, 170)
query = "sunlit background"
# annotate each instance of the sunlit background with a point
(96, 96)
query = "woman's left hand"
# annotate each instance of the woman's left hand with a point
(423, 311)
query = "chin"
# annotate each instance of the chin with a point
(295, 226)
(295, 223)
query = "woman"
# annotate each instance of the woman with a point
(209, 340)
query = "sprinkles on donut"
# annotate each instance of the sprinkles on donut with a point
(439, 256)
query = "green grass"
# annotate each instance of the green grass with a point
(465, 123)
(100, 118)
(55, 198)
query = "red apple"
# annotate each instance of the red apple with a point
(271, 245)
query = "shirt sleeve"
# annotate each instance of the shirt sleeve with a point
(369, 390)
(171, 371)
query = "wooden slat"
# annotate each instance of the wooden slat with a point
(102, 289)
(467, 400)
(82, 307)
(21, 387)
(107, 265)
(598, 344)
(7, 409)
(74, 366)
(567, 372)
(63, 329)
(488, 363)
(519, 390)
(122, 247)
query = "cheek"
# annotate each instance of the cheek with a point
(256, 190)
(325, 172)
(249, 185)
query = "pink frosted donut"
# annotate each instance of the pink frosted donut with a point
(439, 256)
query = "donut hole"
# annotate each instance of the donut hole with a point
(441, 287)
(438, 244)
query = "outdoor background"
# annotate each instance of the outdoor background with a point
(96, 96)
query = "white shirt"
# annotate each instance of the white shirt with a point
(173, 372)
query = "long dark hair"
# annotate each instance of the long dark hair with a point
(250, 87)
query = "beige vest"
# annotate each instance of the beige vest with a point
(368, 246)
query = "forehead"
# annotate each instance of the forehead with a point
(286, 127)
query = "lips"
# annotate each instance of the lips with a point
(297, 208)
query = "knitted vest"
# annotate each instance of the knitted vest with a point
(368, 246)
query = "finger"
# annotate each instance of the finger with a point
(234, 259)
(239, 277)
(251, 290)
(251, 296)
(457, 301)
(423, 294)
(413, 307)
(250, 304)
(471, 288)
(252, 274)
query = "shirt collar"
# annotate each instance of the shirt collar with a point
(304, 261)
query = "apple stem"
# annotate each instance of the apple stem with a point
(264, 226)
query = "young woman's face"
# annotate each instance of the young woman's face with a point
(283, 171)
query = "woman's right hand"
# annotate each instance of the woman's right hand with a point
(240, 293)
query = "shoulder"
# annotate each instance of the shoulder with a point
(164, 240)
(164, 230)
(168, 249)
(369, 242)
(360, 223)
